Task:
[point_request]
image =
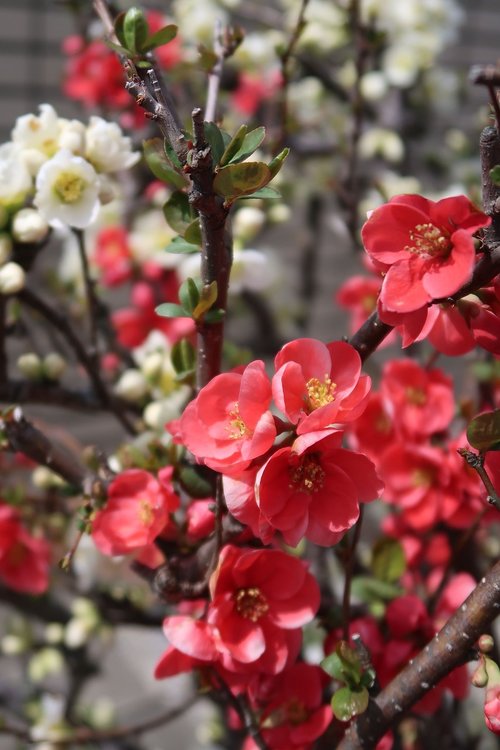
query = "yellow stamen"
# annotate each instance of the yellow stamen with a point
(320, 392)
(69, 187)
(251, 603)
(428, 241)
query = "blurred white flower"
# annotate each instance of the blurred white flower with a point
(15, 179)
(149, 237)
(28, 225)
(381, 142)
(107, 148)
(72, 136)
(132, 385)
(12, 278)
(67, 191)
(38, 132)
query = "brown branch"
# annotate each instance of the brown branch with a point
(83, 734)
(245, 713)
(476, 461)
(62, 325)
(23, 437)
(216, 254)
(92, 301)
(447, 650)
(348, 570)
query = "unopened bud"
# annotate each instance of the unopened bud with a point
(152, 365)
(53, 366)
(12, 278)
(30, 365)
(29, 225)
(132, 386)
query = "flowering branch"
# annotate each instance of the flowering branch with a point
(448, 649)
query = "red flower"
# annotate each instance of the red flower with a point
(136, 511)
(427, 245)
(229, 423)
(313, 488)
(112, 256)
(24, 559)
(419, 401)
(318, 385)
(258, 595)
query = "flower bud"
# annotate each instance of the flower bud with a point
(12, 645)
(247, 222)
(12, 278)
(132, 386)
(5, 247)
(30, 365)
(53, 366)
(29, 225)
(45, 479)
(152, 366)
(486, 643)
(77, 633)
(54, 632)
(45, 662)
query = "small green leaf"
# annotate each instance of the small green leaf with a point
(234, 145)
(370, 590)
(251, 143)
(344, 665)
(216, 141)
(117, 48)
(171, 155)
(347, 703)
(170, 310)
(265, 193)
(207, 58)
(193, 233)
(208, 296)
(179, 246)
(135, 29)
(241, 179)
(483, 432)
(160, 37)
(178, 212)
(158, 164)
(143, 64)
(119, 27)
(389, 562)
(183, 356)
(196, 485)
(276, 163)
(189, 295)
(495, 174)
(214, 316)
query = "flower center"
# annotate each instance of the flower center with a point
(237, 428)
(422, 478)
(416, 396)
(296, 712)
(320, 392)
(307, 476)
(369, 303)
(251, 603)
(145, 512)
(428, 241)
(69, 187)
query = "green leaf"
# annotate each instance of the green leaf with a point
(214, 316)
(193, 233)
(251, 143)
(135, 29)
(117, 48)
(170, 310)
(241, 179)
(216, 141)
(189, 295)
(158, 164)
(483, 432)
(208, 296)
(347, 703)
(172, 156)
(370, 590)
(119, 28)
(179, 246)
(143, 64)
(160, 37)
(495, 174)
(276, 163)
(178, 212)
(265, 193)
(234, 145)
(207, 58)
(196, 485)
(183, 356)
(388, 562)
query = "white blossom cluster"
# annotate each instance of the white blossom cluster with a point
(54, 172)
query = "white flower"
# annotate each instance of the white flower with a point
(30, 365)
(29, 225)
(72, 136)
(107, 148)
(132, 385)
(54, 365)
(15, 180)
(247, 222)
(373, 85)
(381, 142)
(40, 133)
(12, 278)
(67, 191)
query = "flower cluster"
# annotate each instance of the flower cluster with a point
(24, 558)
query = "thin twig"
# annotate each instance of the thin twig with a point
(215, 74)
(92, 302)
(32, 392)
(245, 713)
(348, 572)
(83, 734)
(476, 461)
